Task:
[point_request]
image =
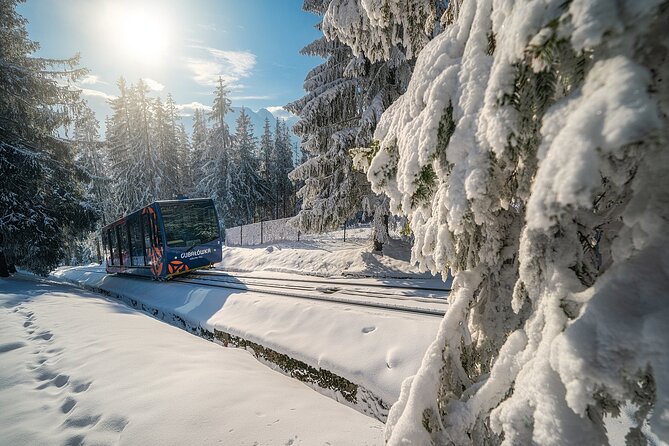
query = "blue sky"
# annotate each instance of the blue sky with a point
(181, 47)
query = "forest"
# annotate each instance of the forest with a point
(525, 143)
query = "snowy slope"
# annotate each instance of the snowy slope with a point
(78, 368)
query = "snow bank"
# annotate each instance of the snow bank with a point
(79, 368)
(327, 255)
(373, 349)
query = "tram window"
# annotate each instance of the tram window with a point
(189, 224)
(110, 243)
(147, 238)
(105, 249)
(114, 244)
(123, 241)
(136, 250)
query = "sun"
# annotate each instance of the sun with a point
(140, 34)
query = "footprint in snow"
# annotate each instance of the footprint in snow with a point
(58, 381)
(82, 421)
(45, 336)
(76, 440)
(4, 348)
(114, 424)
(368, 329)
(80, 386)
(68, 405)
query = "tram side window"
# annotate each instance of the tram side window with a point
(110, 255)
(105, 248)
(114, 247)
(123, 240)
(136, 250)
(147, 238)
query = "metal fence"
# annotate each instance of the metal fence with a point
(279, 230)
(261, 232)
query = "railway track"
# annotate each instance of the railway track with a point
(339, 282)
(382, 297)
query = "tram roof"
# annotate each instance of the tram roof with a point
(158, 202)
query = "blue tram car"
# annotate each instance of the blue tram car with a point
(164, 239)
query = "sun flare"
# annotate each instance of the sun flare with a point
(141, 34)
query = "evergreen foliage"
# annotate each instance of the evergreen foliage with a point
(43, 196)
(245, 187)
(529, 155)
(216, 157)
(346, 97)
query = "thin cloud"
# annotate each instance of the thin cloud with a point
(153, 85)
(280, 112)
(97, 94)
(228, 65)
(192, 106)
(250, 98)
(92, 79)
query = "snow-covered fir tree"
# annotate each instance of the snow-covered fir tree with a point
(282, 165)
(133, 154)
(90, 156)
(530, 156)
(266, 157)
(43, 192)
(199, 136)
(245, 186)
(176, 159)
(171, 145)
(348, 94)
(216, 158)
(374, 29)
(332, 190)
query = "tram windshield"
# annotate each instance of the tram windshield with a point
(189, 223)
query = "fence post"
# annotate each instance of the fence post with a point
(261, 229)
(298, 235)
(344, 230)
(241, 239)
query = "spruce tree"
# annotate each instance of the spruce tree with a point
(346, 97)
(266, 163)
(332, 190)
(282, 162)
(199, 138)
(43, 192)
(244, 183)
(530, 158)
(90, 156)
(132, 145)
(216, 157)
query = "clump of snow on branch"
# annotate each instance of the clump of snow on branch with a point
(529, 156)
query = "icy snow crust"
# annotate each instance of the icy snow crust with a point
(544, 124)
(374, 349)
(79, 368)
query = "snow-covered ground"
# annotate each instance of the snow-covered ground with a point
(373, 349)
(80, 368)
(327, 255)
